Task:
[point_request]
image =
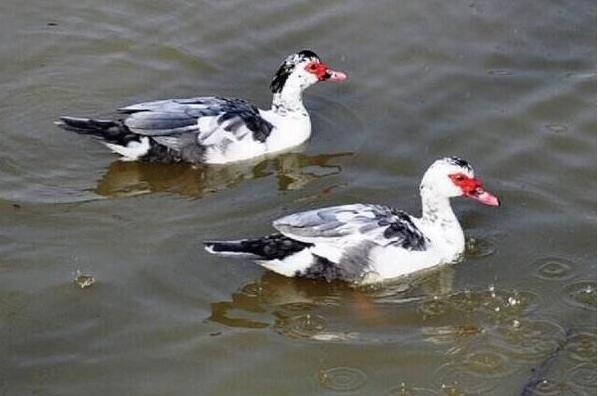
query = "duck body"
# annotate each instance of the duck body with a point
(275, 133)
(213, 130)
(364, 243)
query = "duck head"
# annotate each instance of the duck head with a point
(301, 70)
(454, 177)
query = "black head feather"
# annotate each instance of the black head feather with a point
(308, 54)
(460, 163)
(287, 67)
(280, 78)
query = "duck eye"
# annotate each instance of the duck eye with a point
(459, 178)
(312, 67)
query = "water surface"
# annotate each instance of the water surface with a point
(510, 86)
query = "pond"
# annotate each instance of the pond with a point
(105, 288)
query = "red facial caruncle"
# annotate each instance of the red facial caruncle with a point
(323, 73)
(472, 188)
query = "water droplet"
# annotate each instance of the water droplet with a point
(83, 280)
(479, 248)
(500, 304)
(547, 387)
(457, 379)
(452, 390)
(302, 326)
(252, 290)
(553, 268)
(529, 340)
(516, 323)
(504, 304)
(581, 294)
(404, 390)
(342, 378)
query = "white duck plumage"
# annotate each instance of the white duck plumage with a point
(214, 130)
(369, 243)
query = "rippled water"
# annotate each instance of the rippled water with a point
(105, 288)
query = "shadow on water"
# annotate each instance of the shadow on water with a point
(282, 302)
(292, 171)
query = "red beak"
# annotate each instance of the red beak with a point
(472, 188)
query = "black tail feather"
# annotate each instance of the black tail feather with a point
(275, 246)
(110, 131)
(228, 248)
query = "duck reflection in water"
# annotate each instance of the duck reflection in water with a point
(301, 307)
(292, 170)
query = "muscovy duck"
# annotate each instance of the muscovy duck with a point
(363, 243)
(214, 130)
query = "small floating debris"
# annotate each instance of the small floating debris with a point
(500, 72)
(556, 128)
(516, 323)
(331, 336)
(83, 280)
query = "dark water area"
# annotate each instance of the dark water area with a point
(510, 86)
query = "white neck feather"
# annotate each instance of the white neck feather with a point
(438, 215)
(288, 101)
(290, 97)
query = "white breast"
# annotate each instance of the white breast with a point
(445, 246)
(229, 150)
(290, 130)
(392, 262)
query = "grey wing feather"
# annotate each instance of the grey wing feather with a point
(379, 224)
(174, 116)
(170, 105)
(152, 123)
(336, 221)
